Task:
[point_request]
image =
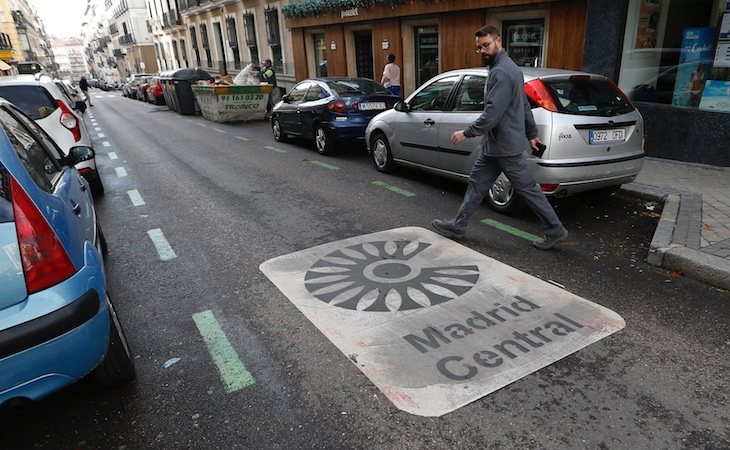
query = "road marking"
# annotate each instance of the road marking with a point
(163, 247)
(244, 139)
(97, 129)
(511, 230)
(106, 144)
(109, 95)
(274, 149)
(233, 372)
(112, 155)
(135, 197)
(200, 124)
(121, 171)
(219, 130)
(395, 189)
(434, 324)
(101, 135)
(325, 165)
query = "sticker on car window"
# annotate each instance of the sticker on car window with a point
(588, 108)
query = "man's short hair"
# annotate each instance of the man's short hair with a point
(487, 30)
(267, 61)
(391, 58)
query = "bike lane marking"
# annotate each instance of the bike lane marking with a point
(164, 249)
(231, 369)
(433, 324)
(135, 197)
(395, 189)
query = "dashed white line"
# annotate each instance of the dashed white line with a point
(163, 247)
(244, 139)
(121, 171)
(135, 197)
(112, 155)
(106, 144)
(97, 129)
(200, 124)
(101, 135)
(219, 130)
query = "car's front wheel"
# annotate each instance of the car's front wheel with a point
(118, 364)
(503, 198)
(380, 151)
(97, 187)
(323, 142)
(279, 135)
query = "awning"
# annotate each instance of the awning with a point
(4, 65)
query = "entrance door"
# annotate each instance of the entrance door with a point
(221, 53)
(427, 53)
(320, 55)
(524, 40)
(364, 54)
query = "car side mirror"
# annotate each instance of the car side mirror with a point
(81, 153)
(286, 98)
(402, 107)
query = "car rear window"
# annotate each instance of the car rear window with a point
(356, 87)
(6, 208)
(588, 97)
(34, 101)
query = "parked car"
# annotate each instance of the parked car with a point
(75, 96)
(42, 100)
(329, 110)
(57, 323)
(594, 135)
(129, 89)
(144, 84)
(155, 93)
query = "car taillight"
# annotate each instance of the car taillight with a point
(548, 187)
(337, 106)
(538, 93)
(45, 261)
(69, 120)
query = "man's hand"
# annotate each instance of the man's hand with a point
(533, 144)
(457, 137)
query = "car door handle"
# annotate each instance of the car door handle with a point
(429, 122)
(76, 208)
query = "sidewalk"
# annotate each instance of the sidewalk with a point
(693, 235)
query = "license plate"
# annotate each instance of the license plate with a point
(372, 105)
(604, 136)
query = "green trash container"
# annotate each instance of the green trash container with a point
(233, 103)
(177, 86)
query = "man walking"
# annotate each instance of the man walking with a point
(84, 86)
(505, 126)
(269, 76)
(391, 76)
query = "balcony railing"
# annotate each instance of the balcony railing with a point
(127, 39)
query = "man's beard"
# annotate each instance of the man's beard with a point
(487, 60)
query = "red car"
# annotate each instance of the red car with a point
(155, 92)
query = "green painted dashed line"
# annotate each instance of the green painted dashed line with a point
(164, 249)
(274, 149)
(233, 372)
(511, 230)
(395, 189)
(244, 139)
(325, 165)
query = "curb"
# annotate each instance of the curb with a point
(665, 251)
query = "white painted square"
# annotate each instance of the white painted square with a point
(435, 325)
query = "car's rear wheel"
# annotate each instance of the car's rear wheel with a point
(380, 151)
(323, 142)
(103, 246)
(279, 135)
(97, 187)
(503, 198)
(118, 364)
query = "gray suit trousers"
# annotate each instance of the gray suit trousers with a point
(483, 175)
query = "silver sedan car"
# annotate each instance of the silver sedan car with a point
(594, 136)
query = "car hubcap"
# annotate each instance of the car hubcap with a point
(501, 192)
(380, 153)
(321, 140)
(277, 130)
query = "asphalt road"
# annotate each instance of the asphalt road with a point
(227, 197)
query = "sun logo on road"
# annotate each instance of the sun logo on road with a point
(383, 276)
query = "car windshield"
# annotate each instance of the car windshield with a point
(588, 97)
(356, 87)
(34, 101)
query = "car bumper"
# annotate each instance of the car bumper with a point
(573, 177)
(51, 351)
(347, 131)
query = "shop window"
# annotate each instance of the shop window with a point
(249, 28)
(523, 40)
(427, 53)
(320, 55)
(678, 53)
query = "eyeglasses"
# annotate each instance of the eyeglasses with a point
(485, 46)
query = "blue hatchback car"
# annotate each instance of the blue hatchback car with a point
(56, 320)
(330, 109)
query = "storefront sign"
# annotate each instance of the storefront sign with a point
(716, 96)
(433, 324)
(348, 13)
(697, 45)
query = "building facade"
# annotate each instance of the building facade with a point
(25, 37)
(69, 55)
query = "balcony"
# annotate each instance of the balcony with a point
(127, 39)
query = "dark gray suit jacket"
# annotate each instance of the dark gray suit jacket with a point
(506, 123)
